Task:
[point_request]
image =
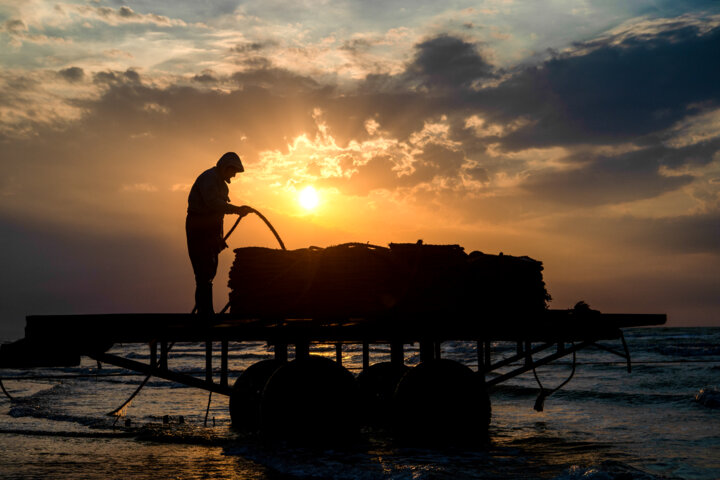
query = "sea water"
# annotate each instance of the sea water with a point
(660, 421)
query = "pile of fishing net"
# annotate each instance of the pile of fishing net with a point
(358, 280)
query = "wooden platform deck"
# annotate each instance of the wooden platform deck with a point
(548, 326)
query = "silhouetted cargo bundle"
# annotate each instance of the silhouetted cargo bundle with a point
(365, 280)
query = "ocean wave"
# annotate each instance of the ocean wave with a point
(40, 405)
(54, 433)
(608, 470)
(694, 350)
(181, 433)
(709, 397)
(43, 411)
(641, 398)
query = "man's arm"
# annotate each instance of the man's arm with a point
(217, 200)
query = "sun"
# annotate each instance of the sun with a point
(309, 198)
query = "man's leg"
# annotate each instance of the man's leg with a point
(204, 258)
(203, 297)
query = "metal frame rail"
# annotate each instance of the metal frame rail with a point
(428, 351)
(57, 340)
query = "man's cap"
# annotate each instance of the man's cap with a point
(231, 159)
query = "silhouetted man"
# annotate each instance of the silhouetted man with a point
(208, 203)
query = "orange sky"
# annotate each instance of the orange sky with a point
(593, 148)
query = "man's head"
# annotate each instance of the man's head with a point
(228, 165)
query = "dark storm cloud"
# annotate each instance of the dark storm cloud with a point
(14, 26)
(278, 79)
(448, 62)
(606, 180)
(114, 77)
(603, 92)
(255, 63)
(442, 65)
(613, 93)
(251, 47)
(72, 74)
(205, 77)
(356, 45)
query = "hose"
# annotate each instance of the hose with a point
(262, 217)
(120, 411)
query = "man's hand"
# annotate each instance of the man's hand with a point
(242, 211)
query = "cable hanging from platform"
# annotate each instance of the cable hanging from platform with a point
(5, 391)
(120, 411)
(544, 393)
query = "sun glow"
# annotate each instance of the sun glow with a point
(309, 198)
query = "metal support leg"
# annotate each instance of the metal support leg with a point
(397, 353)
(365, 355)
(481, 359)
(488, 358)
(302, 350)
(163, 355)
(338, 353)
(153, 354)
(224, 363)
(281, 352)
(208, 362)
(527, 350)
(427, 351)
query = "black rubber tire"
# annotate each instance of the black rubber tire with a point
(247, 392)
(376, 386)
(441, 402)
(310, 400)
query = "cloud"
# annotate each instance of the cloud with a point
(437, 137)
(19, 33)
(252, 47)
(206, 77)
(113, 77)
(605, 180)
(438, 126)
(448, 62)
(15, 26)
(139, 187)
(118, 16)
(72, 74)
(277, 79)
(612, 93)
